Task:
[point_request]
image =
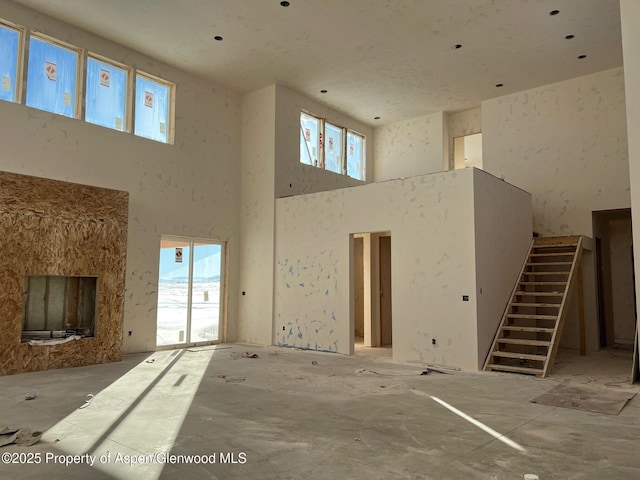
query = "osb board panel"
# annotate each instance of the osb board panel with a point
(47, 239)
(44, 197)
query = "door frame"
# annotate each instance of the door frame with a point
(222, 309)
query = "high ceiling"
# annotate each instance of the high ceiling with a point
(389, 58)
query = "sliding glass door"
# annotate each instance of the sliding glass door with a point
(189, 291)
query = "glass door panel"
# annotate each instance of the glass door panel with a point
(173, 292)
(205, 298)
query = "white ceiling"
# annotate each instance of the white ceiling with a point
(389, 58)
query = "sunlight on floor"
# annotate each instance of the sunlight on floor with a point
(130, 426)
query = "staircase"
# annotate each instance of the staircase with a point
(528, 337)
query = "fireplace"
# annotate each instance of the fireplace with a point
(62, 273)
(58, 307)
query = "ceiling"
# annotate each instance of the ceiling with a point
(393, 59)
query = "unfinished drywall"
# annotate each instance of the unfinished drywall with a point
(460, 124)
(257, 216)
(621, 244)
(502, 215)
(431, 221)
(630, 12)
(293, 177)
(566, 143)
(61, 229)
(191, 188)
(409, 148)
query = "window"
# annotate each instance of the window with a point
(154, 108)
(108, 93)
(331, 147)
(333, 152)
(309, 139)
(355, 156)
(52, 76)
(11, 51)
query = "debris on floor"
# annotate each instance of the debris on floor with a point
(88, 401)
(18, 436)
(244, 355)
(436, 370)
(31, 396)
(231, 379)
(314, 363)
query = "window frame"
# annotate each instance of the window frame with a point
(19, 80)
(128, 101)
(363, 154)
(170, 127)
(322, 142)
(80, 71)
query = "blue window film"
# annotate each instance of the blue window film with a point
(9, 51)
(152, 109)
(309, 139)
(333, 148)
(355, 156)
(51, 78)
(106, 95)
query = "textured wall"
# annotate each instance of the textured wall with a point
(566, 143)
(257, 216)
(621, 243)
(58, 228)
(411, 147)
(431, 220)
(190, 188)
(502, 236)
(293, 177)
(630, 12)
(460, 124)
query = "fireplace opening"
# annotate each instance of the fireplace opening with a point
(58, 307)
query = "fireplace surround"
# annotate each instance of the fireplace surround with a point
(61, 236)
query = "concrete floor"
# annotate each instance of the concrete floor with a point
(292, 414)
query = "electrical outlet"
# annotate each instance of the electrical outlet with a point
(130, 332)
(283, 329)
(465, 298)
(434, 341)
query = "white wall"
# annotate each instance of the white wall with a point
(566, 143)
(410, 147)
(293, 177)
(257, 188)
(462, 123)
(190, 188)
(630, 12)
(431, 220)
(502, 240)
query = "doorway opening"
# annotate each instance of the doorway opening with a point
(467, 151)
(190, 291)
(372, 324)
(616, 295)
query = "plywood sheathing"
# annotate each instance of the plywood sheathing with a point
(50, 227)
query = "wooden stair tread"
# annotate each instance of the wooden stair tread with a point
(509, 368)
(546, 273)
(515, 328)
(524, 341)
(552, 254)
(523, 356)
(539, 305)
(543, 283)
(522, 293)
(532, 316)
(546, 264)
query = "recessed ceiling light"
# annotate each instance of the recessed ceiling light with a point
(580, 57)
(285, 4)
(499, 85)
(323, 91)
(218, 38)
(376, 118)
(554, 12)
(457, 46)
(569, 37)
